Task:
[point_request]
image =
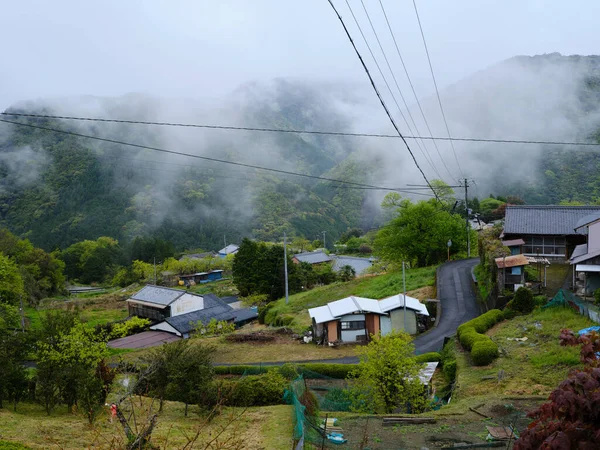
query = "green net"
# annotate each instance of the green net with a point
(567, 299)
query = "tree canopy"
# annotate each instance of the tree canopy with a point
(419, 234)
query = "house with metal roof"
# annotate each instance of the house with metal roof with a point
(586, 257)
(356, 319)
(360, 265)
(316, 257)
(547, 230)
(197, 256)
(230, 249)
(157, 303)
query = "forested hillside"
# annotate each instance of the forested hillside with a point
(57, 189)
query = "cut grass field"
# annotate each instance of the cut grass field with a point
(284, 348)
(268, 427)
(377, 287)
(533, 367)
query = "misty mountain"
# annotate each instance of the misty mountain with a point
(57, 189)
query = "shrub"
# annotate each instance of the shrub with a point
(131, 326)
(523, 301)
(449, 370)
(470, 334)
(540, 300)
(469, 337)
(255, 390)
(484, 351)
(262, 312)
(428, 357)
(339, 371)
(597, 296)
(509, 313)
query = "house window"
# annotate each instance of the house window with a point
(516, 270)
(354, 325)
(545, 245)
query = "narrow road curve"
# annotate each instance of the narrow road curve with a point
(458, 303)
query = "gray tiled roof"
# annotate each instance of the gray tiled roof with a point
(313, 257)
(360, 265)
(159, 295)
(548, 219)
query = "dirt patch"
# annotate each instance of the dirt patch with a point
(423, 293)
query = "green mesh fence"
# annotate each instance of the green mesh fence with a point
(567, 299)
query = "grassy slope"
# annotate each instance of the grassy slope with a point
(267, 427)
(531, 368)
(372, 287)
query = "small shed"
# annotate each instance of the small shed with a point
(514, 245)
(511, 271)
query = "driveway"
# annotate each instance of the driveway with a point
(458, 304)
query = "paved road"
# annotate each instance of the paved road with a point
(458, 303)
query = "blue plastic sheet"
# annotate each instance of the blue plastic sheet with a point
(589, 330)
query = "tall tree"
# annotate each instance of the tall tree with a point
(387, 375)
(419, 234)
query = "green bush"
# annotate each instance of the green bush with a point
(428, 357)
(597, 296)
(484, 351)
(523, 301)
(448, 356)
(132, 326)
(242, 369)
(254, 390)
(449, 370)
(469, 337)
(262, 312)
(339, 371)
(509, 313)
(540, 300)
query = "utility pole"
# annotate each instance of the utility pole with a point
(324, 246)
(155, 271)
(224, 241)
(404, 283)
(467, 219)
(287, 297)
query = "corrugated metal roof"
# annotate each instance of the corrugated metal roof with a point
(158, 295)
(584, 257)
(397, 301)
(186, 323)
(351, 305)
(512, 261)
(231, 248)
(587, 220)
(587, 268)
(241, 315)
(578, 251)
(545, 220)
(313, 257)
(360, 265)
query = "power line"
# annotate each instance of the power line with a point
(401, 95)
(436, 88)
(206, 158)
(294, 131)
(381, 98)
(426, 156)
(410, 82)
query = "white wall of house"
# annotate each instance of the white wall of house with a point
(594, 237)
(164, 326)
(350, 335)
(186, 303)
(397, 316)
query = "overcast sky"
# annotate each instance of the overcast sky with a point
(207, 48)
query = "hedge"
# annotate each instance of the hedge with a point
(484, 352)
(483, 349)
(310, 370)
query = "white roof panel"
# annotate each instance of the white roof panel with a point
(587, 268)
(397, 301)
(321, 314)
